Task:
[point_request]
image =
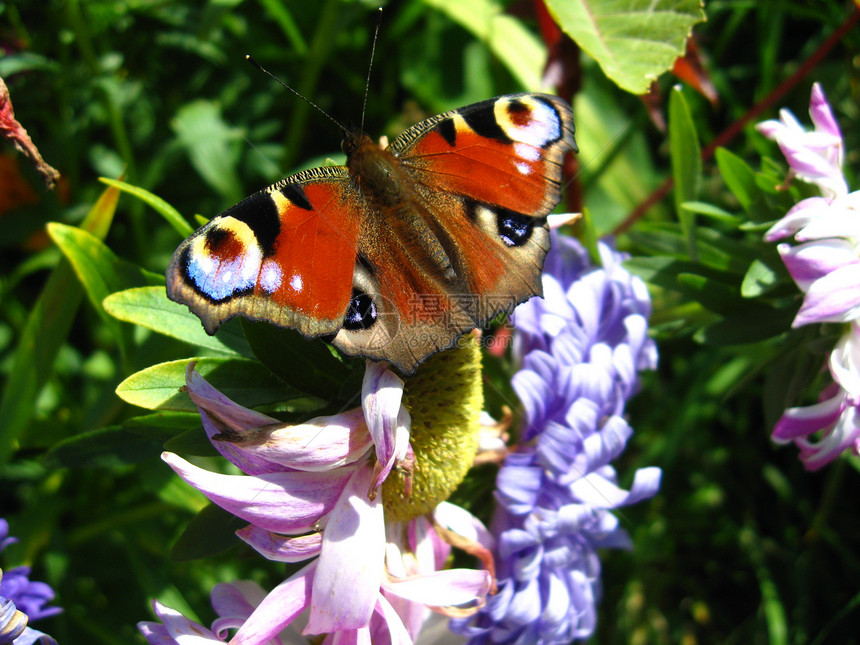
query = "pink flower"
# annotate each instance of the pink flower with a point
(815, 156)
(836, 417)
(826, 263)
(313, 490)
(817, 218)
(232, 602)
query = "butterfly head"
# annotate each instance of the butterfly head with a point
(353, 139)
(376, 171)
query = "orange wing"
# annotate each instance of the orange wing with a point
(480, 182)
(284, 255)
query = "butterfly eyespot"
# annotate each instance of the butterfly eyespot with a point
(218, 239)
(361, 313)
(529, 120)
(515, 229)
(222, 263)
(519, 113)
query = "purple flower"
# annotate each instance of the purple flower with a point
(313, 491)
(22, 601)
(826, 263)
(233, 602)
(581, 347)
(815, 156)
(837, 415)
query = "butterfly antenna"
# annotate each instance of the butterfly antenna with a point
(253, 62)
(370, 66)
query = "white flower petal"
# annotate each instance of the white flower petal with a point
(812, 261)
(278, 609)
(845, 362)
(463, 523)
(382, 393)
(450, 587)
(285, 502)
(281, 548)
(351, 563)
(833, 298)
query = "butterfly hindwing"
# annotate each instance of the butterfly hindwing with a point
(482, 180)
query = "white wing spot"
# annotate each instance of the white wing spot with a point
(527, 152)
(270, 277)
(296, 283)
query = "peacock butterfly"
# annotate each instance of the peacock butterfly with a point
(397, 254)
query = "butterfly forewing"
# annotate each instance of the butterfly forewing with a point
(505, 151)
(284, 255)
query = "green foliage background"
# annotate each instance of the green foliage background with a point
(741, 545)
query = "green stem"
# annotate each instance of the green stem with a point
(317, 56)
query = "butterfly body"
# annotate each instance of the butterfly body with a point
(397, 254)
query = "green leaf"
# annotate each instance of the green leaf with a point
(793, 371)
(247, 382)
(633, 41)
(162, 425)
(279, 14)
(93, 262)
(713, 249)
(211, 146)
(508, 38)
(739, 177)
(714, 295)
(210, 532)
(308, 365)
(686, 157)
(150, 307)
(712, 212)
(98, 271)
(748, 325)
(618, 168)
(192, 442)
(759, 279)
(107, 448)
(170, 214)
(660, 271)
(24, 61)
(45, 331)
